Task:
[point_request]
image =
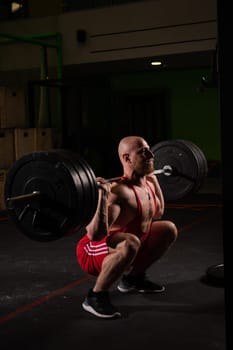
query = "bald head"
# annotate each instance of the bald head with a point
(135, 156)
(127, 144)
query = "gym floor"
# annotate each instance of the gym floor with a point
(42, 288)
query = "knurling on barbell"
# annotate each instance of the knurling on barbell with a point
(52, 193)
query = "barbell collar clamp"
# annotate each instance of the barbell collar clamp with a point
(167, 170)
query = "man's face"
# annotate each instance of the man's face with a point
(142, 158)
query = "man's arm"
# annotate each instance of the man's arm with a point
(160, 199)
(106, 213)
(98, 226)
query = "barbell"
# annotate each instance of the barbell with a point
(51, 194)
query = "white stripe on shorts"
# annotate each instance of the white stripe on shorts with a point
(96, 249)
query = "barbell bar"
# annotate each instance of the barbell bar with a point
(51, 194)
(166, 170)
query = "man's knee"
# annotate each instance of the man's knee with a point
(165, 229)
(171, 230)
(130, 246)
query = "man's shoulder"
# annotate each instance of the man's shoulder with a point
(121, 188)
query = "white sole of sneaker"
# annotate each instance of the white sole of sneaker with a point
(90, 309)
(125, 290)
(151, 291)
(140, 290)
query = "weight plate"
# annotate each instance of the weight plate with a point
(88, 184)
(215, 275)
(201, 161)
(186, 165)
(50, 216)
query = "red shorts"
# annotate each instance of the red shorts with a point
(90, 254)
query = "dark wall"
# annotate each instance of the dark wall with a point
(157, 106)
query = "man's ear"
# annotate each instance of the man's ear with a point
(126, 157)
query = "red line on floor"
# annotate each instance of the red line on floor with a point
(193, 223)
(42, 300)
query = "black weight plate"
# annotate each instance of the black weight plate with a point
(79, 219)
(186, 170)
(88, 183)
(201, 163)
(52, 215)
(215, 275)
(91, 195)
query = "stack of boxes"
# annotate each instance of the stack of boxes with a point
(16, 139)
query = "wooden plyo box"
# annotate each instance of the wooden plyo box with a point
(24, 141)
(43, 139)
(28, 140)
(7, 152)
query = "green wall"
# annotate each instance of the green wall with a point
(194, 110)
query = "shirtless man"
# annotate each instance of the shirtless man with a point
(126, 235)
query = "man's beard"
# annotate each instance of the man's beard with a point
(146, 169)
(151, 168)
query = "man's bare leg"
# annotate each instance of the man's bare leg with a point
(119, 259)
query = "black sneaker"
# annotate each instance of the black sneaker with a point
(139, 284)
(99, 305)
